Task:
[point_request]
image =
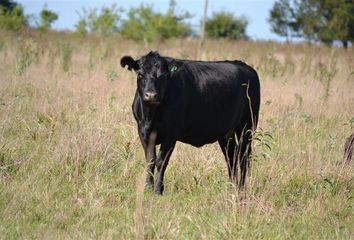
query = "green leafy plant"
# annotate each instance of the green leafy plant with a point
(264, 142)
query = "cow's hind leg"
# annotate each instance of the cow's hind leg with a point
(229, 147)
(243, 152)
(161, 164)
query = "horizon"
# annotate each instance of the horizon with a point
(256, 11)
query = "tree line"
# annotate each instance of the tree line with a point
(314, 20)
(142, 23)
(323, 21)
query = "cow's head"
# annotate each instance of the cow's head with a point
(152, 74)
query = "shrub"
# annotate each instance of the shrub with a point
(226, 25)
(47, 17)
(12, 18)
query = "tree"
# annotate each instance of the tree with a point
(202, 39)
(103, 22)
(339, 22)
(12, 15)
(47, 17)
(284, 20)
(328, 20)
(144, 23)
(226, 25)
(8, 5)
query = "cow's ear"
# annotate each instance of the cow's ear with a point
(130, 62)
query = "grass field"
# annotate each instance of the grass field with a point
(71, 164)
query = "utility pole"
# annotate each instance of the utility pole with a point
(202, 40)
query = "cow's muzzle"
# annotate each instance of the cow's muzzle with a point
(150, 97)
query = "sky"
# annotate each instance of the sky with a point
(256, 11)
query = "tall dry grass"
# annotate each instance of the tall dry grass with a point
(71, 162)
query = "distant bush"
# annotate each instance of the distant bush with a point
(144, 23)
(47, 17)
(103, 22)
(226, 25)
(11, 16)
(81, 27)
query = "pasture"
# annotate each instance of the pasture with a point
(71, 163)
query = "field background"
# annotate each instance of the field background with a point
(71, 164)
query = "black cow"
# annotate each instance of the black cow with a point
(194, 102)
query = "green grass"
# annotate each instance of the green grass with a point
(71, 164)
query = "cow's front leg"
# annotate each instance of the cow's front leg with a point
(150, 157)
(161, 164)
(150, 168)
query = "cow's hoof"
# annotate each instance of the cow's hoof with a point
(149, 182)
(158, 190)
(149, 186)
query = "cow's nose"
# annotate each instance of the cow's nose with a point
(150, 96)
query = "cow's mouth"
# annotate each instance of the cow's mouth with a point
(152, 102)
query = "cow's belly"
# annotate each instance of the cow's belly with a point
(198, 141)
(208, 130)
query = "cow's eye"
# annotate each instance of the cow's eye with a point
(140, 76)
